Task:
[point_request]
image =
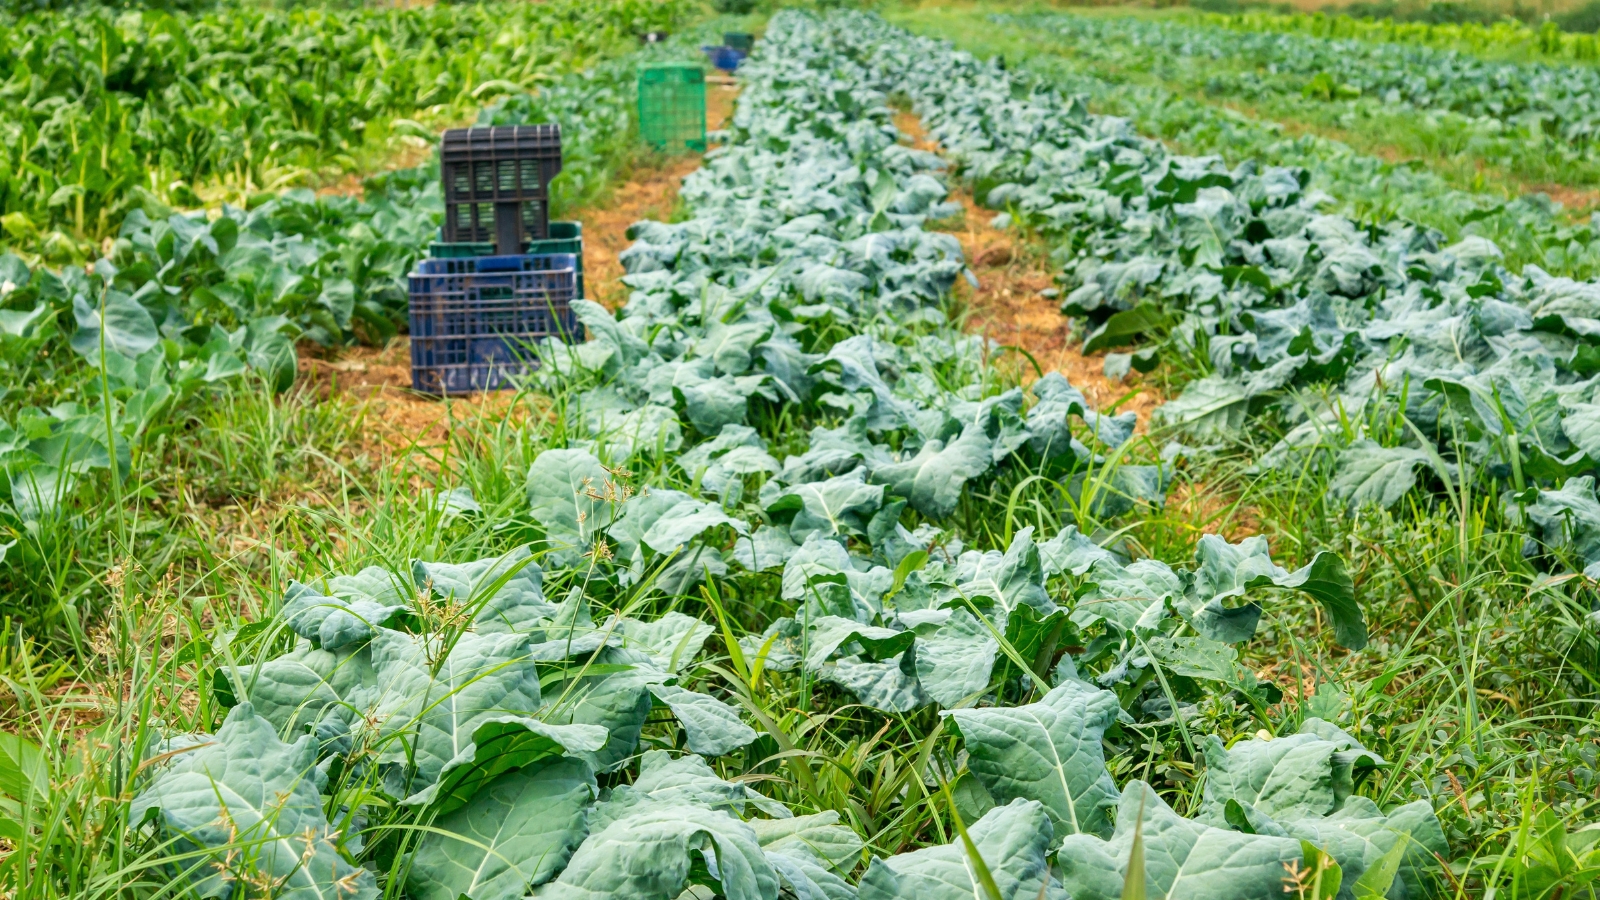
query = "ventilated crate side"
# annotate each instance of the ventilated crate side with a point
(497, 183)
(672, 107)
(474, 321)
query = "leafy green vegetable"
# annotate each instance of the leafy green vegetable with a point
(1049, 752)
(517, 831)
(1012, 841)
(1182, 858)
(245, 788)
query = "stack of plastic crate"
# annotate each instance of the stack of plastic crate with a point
(502, 276)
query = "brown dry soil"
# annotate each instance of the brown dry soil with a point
(1007, 305)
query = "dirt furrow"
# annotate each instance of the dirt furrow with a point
(1008, 304)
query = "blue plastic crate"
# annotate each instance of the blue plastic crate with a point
(474, 320)
(725, 58)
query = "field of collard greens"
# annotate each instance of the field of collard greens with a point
(558, 723)
(784, 582)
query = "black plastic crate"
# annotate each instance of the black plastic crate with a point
(497, 183)
(474, 320)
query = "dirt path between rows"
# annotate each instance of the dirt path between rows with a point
(651, 194)
(1008, 305)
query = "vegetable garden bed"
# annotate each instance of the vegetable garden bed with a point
(456, 728)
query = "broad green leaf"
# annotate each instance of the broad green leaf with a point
(24, 773)
(683, 780)
(1413, 826)
(1013, 841)
(429, 719)
(933, 479)
(841, 505)
(566, 493)
(38, 492)
(889, 685)
(1072, 551)
(1047, 751)
(672, 641)
(506, 592)
(252, 802)
(648, 854)
(729, 346)
(713, 728)
(806, 876)
(714, 401)
(1132, 599)
(334, 622)
(517, 831)
(1214, 406)
(1012, 579)
(1581, 424)
(1570, 517)
(1193, 656)
(308, 685)
(821, 834)
(833, 634)
(817, 556)
(501, 744)
(119, 321)
(1182, 857)
(1224, 570)
(638, 516)
(955, 662)
(1123, 327)
(1370, 474)
(685, 521)
(1048, 420)
(1289, 777)
(618, 701)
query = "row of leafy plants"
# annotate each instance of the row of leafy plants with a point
(784, 434)
(108, 112)
(1542, 101)
(1165, 98)
(1530, 229)
(1504, 38)
(1398, 356)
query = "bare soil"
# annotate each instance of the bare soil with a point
(1008, 306)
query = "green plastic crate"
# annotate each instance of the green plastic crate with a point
(672, 106)
(565, 237)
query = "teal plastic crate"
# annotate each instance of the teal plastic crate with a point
(565, 237)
